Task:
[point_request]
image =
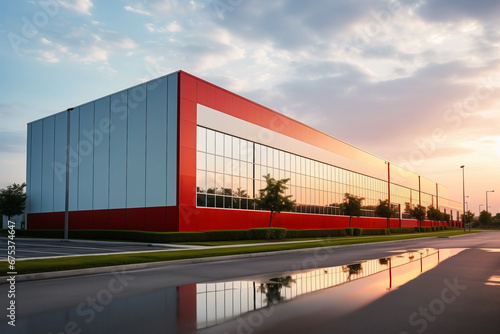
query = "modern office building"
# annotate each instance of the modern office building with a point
(180, 154)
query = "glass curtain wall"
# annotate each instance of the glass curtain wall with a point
(230, 173)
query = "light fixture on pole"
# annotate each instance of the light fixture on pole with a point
(488, 191)
(463, 189)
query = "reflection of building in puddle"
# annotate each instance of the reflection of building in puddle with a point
(219, 302)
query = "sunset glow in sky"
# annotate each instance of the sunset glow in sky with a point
(416, 82)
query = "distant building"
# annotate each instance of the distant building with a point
(180, 154)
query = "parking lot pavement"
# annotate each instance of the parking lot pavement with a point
(40, 248)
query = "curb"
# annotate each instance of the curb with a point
(125, 243)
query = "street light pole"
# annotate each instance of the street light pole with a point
(488, 191)
(463, 189)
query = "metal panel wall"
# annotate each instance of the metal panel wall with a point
(74, 160)
(59, 166)
(28, 168)
(47, 167)
(123, 152)
(118, 152)
(101, 154)
(156, 145)
(136, 150)
(172, 144)
(86, 157)
(36, 166)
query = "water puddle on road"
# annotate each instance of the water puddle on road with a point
(352, 286)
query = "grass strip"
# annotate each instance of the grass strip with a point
(81, 262)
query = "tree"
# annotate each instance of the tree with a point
(351, 206)
(467, 218)
(434, 214)
(13, 200)
(383, 209)
(446, 218)
(485, 218)
(417, 212)
(273, 198)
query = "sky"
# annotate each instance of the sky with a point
(415, 82)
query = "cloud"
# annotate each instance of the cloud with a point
(80, 6)
(160, 9)
(137, 11)
(456, 10)
(171, 27)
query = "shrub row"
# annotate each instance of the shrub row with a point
(226, 235)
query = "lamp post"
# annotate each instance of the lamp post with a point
(467, 204)
(463, 192)
(66, 195)
(488, 191)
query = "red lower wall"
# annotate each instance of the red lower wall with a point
(159, 219)
(166, 219)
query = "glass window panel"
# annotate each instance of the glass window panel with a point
(210, 162)
(258, 153)
(219, 164)
(228, 149)
(276, 158)
(228, 163)
(263, 155)
(228, 184)
(219, 143)
(293, 166)
(201, 139)
(201, 200)
(251, 152)
(270, 153)
(236, 148)
(243, 169)
(236, 186)
(201, 160)
(282, 160)
(228, 202)
(211, 182)
(201, 181)
(210, 141)
(219, 179)
(250, 171)
(219, 201)
(210, 201)
(287, 161)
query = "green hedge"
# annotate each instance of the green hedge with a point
(403, 230)
(226, 235)
(271, 233)
(318, 233)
